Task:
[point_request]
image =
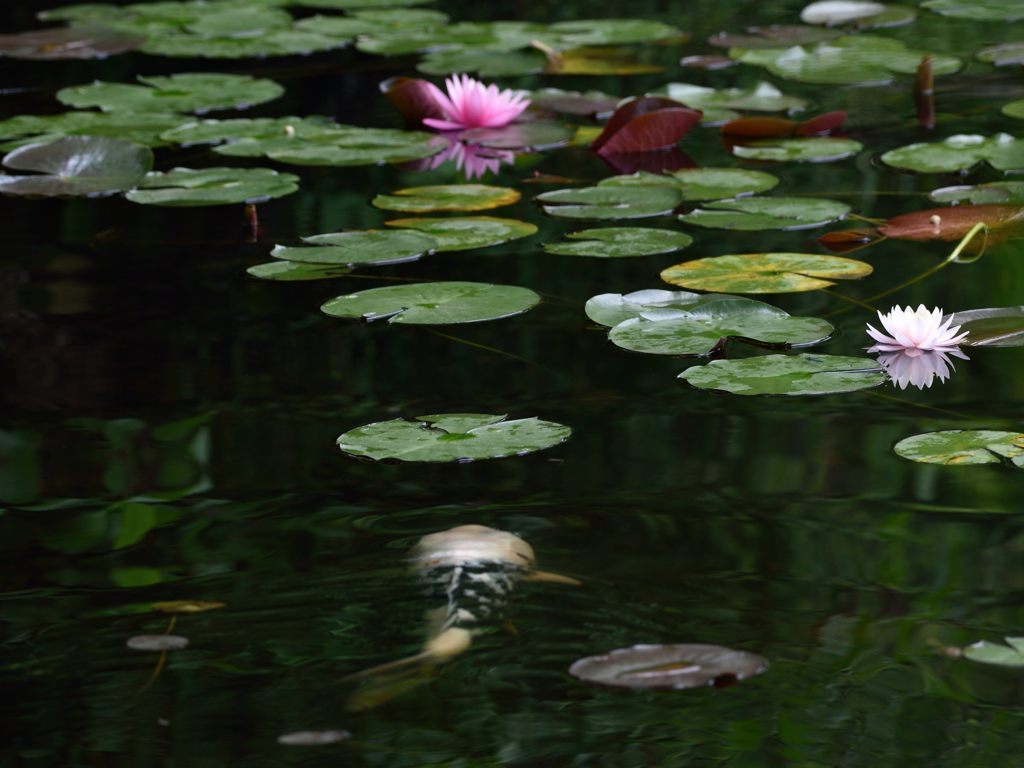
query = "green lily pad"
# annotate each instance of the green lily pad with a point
(369, 22)
(698, 184)
(813, 149)
(708, 324)
(345, 146)
(258, 129)
(1002, 55)
(994, 327)
(467, 232)
(978, 10)
(610, 309)
(576, 34)
(189, 187)
(802, 374)
(757, 213)
(452, 437)
(959, 153)
(718, 105)
(535, 136)
(964, 446)
(610, 202)
(358, 248)
(1009, 655)
(482, 62)
(981, 194)
(76, 165)
(447, 197)
(274, 42)
(128, 126)
(193, 92)
(484, 37)
(847, 60)
(619, 242)
(765, 272)
(1014, 109)
(287, 271)
(857, 13)
(441, 303)
(347, 5)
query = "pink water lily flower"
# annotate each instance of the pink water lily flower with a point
(471, 104)
(912, 330)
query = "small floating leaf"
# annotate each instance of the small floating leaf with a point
(774, 36)
(952, 223)
(691, 665)
(68, 43)
(452, 437)
(765, 272)
(964, 446)
(447, 197)
(588, 104)
(192, 92)
(464, 233)
(980, 194)
(312, 738)
(190, 187)
(346, 146)
(815, 149)
(610, 309)
(287, 271)
(859, 13)
(757, 213)
(697, 184)
(482, 61)
(1009, 655)
(645, 124)
(434, 303)
(360, 247)
(158, 643)
(127, 126)
(994, 327)
(802, 374)
(718, 104)
(1003, 55)
(610, 202)
(76, 165)
(535, 136)
(619, 242)
(187, 606)
(978, 10)
(959, 153)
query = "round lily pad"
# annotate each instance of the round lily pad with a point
(964, 446)
(802, 374)
(858, 13)
(288, 271)
(610, 309)
(698, 184)
(481, 61)
(978, 10)
(756, 213)
(981, 194)
(587, 104)
(708, 324)
(127, 126)
(434, 303)
(464, 233)
(158, 643)
(193, 92)
(1009, 655)
(813, 149)
(358, 248)
(1002, 55)
(346, 146)
(773, 36)
(189, 187)
(619, 242)
(690, 665)
(765, 272)
(718, 105)
(447, 197)
(610, 202)
(995, 327)
(452, 437)
(959, 153)
(76, 165)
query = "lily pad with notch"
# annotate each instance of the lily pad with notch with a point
(699, 184)
(765, 272)
(621, 242)
(447, 197)
(128, 126)
(194, 131)
(610, 202)
(992, 327)
(610, 309)
(190, 187)
(964, 446)
(288, 271)
(345, 146)
(191, 92)
(1009, 655)
(483, 62)
(759, 213)
(686, 665)
(811, 149)
(369, 247)
(76, 165)
(452, 437)
(441, 303)
(959, 153)
(803, 374)
(291, 41)
(465, 233)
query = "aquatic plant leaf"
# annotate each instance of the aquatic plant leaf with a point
(1002, 55)
(978, 10)
(574, 34)
(802, 374)
(610, 202)
(717, 104)
(191, 187)
(698, 184)
(757, 213)
(358, 248)
(586, 104)
(447, 197)
(142, 128)
(274, 42)
(258, 129)
(620, 242)
(599, 61)
(816, 149)
(645, 124)
(751, 128)
(981, 194)
(240, 21)
(439, 303)
(312, 738)
(452, 437)
(952, 223)
(708, 324)
(464, 233)
(76, 165)
(288, 271)
(491, 38)
(773, 36)
(959, 153)
(158, 643)
(993, 327)
(1014, 109)
(346, 146)
(1009, 655)
(857, 13)
(192, 92)
(765, 272)
(187, 606)
(482, 62)
(535, 136)
(964, 446)
(610, 309)
(689, 665)
(412, 97)
(347, 5)
(68, 43)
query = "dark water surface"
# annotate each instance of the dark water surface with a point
(169, 428)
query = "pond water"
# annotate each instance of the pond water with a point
(170, 425)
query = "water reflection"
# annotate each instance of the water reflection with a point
(919, 367)
(473, 160)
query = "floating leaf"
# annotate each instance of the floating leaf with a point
(774, 36)
(187, 606)
(434, 303)
(240, 21)
(959, 153)
(482, 62)
(68, 43)
(189, 187)
(599, 61)
(618, 242)
(413, 98)
(76, 165)
(952, 223)
(287, 271)
(995, 327)
(691, 665)
(573, 34)
(765, 272)
(610, 309)
(981, 194)
(347, 5)
(978, 10)
(757, 213)
(160, 643)
(534, 136)
(257, 129)
(861, 14)
(805, 150)
(452, 437)
(749, 128)
(1014, 109)
(697, 184)
(610, 202)
(1009, 655)
(706, 325)
(345, 146)
(718, 105)
(361, 247)
(274, 42)
(447, 197)
(467, 232)
(964, 446)
(588, 104)
(802, 374)
(645, 124)
(127, 126)
(1003, 55)
(312, 738)
(193, 92)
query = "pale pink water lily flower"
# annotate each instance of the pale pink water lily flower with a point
(913, 331)
(471, 104)
(919, 369)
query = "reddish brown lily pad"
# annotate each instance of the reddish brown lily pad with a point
(68, 43)
(778, 127)
(952, 223)
(645, 124)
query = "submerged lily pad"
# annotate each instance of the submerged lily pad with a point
(699, 184)
(464, 233)
(128, 126)
(619, 242)
(1009, 655)
(434, 303)
(447, 197)
(812, 149)
(978, 10)
(765, 272)
(691, 665)
(288, 271)
(189, 187)
(709, 323)
(981, 194)
(994, 327)
(76, 165)
(964, 446)
(360, 247)
(802, 374)
(157, 643)
(610, 202)
(718, 105)
(452, 437)
(959, 153)
(192, 92)
(757, 213)
(68, 43)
